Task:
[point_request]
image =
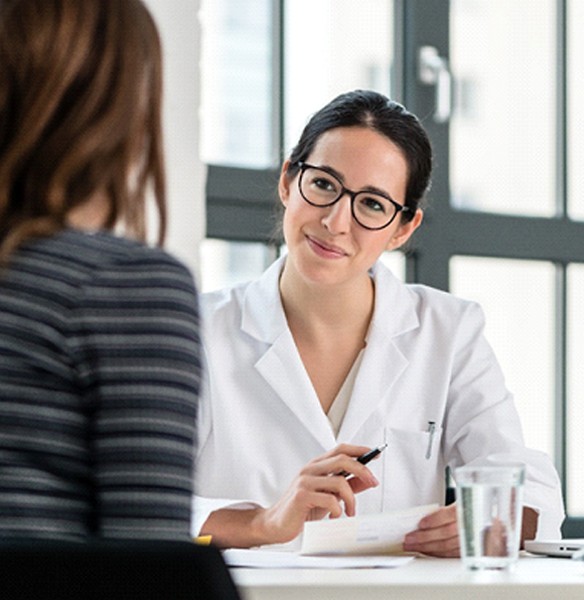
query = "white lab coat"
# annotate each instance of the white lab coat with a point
(426, 360)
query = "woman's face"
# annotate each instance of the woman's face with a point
(325, 244)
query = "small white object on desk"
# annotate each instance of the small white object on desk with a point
(274, 559)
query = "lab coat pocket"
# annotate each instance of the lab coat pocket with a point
(413, 467)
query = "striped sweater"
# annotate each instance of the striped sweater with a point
(99, 380)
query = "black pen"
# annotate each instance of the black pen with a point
(367, 457)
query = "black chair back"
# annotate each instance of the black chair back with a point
(113, 571)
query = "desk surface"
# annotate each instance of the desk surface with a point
(533, 578)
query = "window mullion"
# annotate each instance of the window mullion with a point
(278, 81)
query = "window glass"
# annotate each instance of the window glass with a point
(236, 82)
(502, 132)
(396, 262)
(575, 109)
(224, 263)
(332, 46)
(575, 396)
(518, 300)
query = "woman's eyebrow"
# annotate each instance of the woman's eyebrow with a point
(368, 188)
(332, 171)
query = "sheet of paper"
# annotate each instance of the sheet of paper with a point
(273, 559)
(367, 534)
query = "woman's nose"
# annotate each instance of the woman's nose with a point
(338, 217)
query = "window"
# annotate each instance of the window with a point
(504, 110)
(237, 74)
(520, 311)
(349, 46)
(504, 225)
(575, 111)
(575, 396)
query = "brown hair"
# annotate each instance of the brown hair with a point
(80, 115)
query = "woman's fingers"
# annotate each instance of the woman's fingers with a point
(444, 548)
(332, 462)
(437, 534)
(337, 488)
(308, 498)
(348, 449)
(342, 461)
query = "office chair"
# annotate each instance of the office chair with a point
(113, 571)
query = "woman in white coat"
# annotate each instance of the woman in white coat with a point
(328, 355)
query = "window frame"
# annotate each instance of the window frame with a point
(448, 231)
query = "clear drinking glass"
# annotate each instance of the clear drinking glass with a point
(490, 509)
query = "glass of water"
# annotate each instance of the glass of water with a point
(490, 508)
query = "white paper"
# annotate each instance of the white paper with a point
(273, 559)
(367, 534)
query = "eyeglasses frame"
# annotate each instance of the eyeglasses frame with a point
(399, 208)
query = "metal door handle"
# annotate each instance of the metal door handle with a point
(433, 70)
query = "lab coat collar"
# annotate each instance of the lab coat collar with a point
(395, 311)
(262, 312)
(394, 314)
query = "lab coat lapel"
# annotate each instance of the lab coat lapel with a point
(280, 365)
(383, 361)
(282, 368)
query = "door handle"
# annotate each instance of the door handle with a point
(433, 70)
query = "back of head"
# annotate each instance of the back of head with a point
(367, 108)
(80, 96)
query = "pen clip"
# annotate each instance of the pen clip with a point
(431, 432)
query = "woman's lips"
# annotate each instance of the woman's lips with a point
(325, 250)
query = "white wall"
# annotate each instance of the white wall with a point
(178, 24)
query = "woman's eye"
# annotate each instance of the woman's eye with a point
(373, 204)
(326, 185)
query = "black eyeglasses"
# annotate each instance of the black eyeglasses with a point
(372, 210)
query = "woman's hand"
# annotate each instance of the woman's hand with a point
(319, 490)
(437, 534)
(325, 486)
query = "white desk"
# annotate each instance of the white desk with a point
(534, 578)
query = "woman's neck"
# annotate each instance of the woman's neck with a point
(90, 215)
(321, 308)
(329, 325)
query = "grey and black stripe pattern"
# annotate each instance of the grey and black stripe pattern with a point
(99, 380)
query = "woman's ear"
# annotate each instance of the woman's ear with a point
(405, 231)
(284, 184)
